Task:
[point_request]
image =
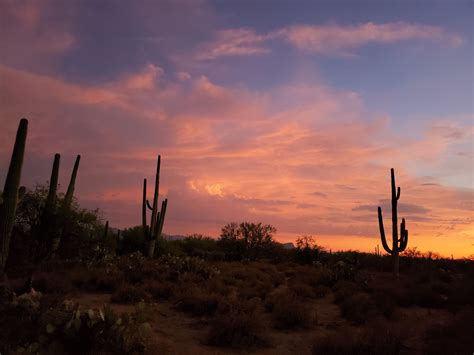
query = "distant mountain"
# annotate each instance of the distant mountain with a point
(288, 245)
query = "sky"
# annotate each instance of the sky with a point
(283, 112)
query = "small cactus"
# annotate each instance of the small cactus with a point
(153, 231)
(11, 192)
(398, 244)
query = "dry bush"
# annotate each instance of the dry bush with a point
(344, 289)
(52, 283)
(129, 294)
(96, 280)
(301, 289)
(321, 291)
(159, 290)
(196, 301)
(384, 302)
(290, 311)
(377, 339)
(358, 308)
(238, 324)
(454, 337)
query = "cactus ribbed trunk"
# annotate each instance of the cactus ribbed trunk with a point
(10, 192)
(398, 244)
(153, 232)
(394, 222)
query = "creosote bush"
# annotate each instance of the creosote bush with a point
(290, 311)
(238, 324)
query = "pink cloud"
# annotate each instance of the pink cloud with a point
(231, 154)
(330, 39)
(323, 39)
(233, 42)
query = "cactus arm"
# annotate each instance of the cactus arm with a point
(382, 232)
(164, 205)
(404, 241)
(403, 236)
(398, 193)
(150, 207)
(10, 192)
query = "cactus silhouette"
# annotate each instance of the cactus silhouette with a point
(106, 231)
(11, 192)
(49, 216)
(153, 231)
(65, 208)
(398, 244)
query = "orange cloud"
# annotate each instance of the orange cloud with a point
(305, 158)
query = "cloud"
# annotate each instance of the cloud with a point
(233, 42)
(321, 39)
(231, 154)
(334, 39)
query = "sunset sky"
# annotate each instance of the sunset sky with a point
(285, 112)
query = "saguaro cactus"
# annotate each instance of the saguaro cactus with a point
(153, 232)
(66, 206)
(48, 217)
(106, 231)
(11, 192)
(399, 244)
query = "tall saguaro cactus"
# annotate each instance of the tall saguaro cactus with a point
(11, 192)
(49, 215)
(153, 231)
(66, 207)
(399, 244)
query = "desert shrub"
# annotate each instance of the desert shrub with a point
(290, 311)
(68, 329)
(461, 293)
(19, 318)
(247, 240)
(358, 308)
(301, 289)
(159, 290)
(455, 337)
(384, 302)
(129, 294)
(343, 270)
(238, 324)
(196, 301)
(183, 265)
(306, 251)
(53, 282)
(344, 289)
(377, 339)
(424, 296)
(132, 240)
(320, 291)
(96, 280)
